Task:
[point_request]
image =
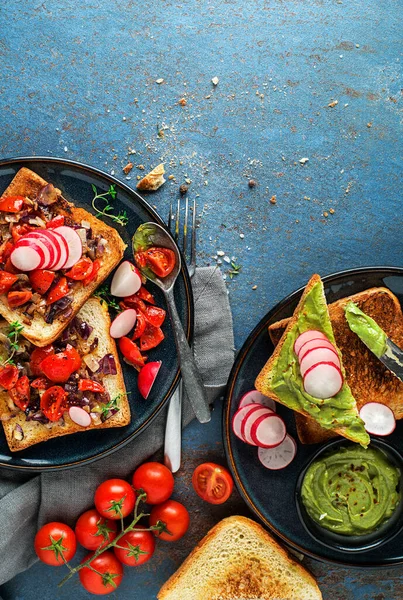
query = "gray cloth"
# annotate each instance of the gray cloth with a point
(27, 502)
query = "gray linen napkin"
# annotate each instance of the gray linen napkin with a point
(27, 502)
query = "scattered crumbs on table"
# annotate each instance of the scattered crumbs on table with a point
(303, 160)
(187, 180)
(124, 119)
(369, 124)
(242, 235)
(326, 214)
(138, 176)
(348, 188)
(227, 259)
(207, 97)
(357, 45)
(273, 200)
(220, 253)
(297, 220)
(183, 189)
(159, 81)
(115, 157)
(183, 102)
(331, 210)
(252, 183)
(128, 168)
(345, 106)
(254, 287)
(215, 80)
(65, 149)
(307, 197)
(171, 177)
(333, 103)
(141, 167)
(112, 171)
(131, 151)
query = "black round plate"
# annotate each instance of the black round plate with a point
(75, 181)
(271, 494)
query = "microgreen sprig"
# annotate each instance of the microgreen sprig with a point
(235, 270)
(104, 294)
(121, 218)
(13, 335)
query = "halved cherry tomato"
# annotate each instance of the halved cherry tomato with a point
(21, 393)
(74, 355)
(21, 229)
(6, 281)
(140, 326)
(9, 267)
(145, 295)
(41, 280)
(55, 222)
(140, 259)
(81, 270)
(155, 315)
(15, 299)
(41, 383)
(37, 356)
(5, 254)
(212, 482)
(131, 352)
(8, 376)
(151, 337)
(161, 261)
(58, 367)
(60, 290)
(54, 403)
(96, 265)
(12, 204)
(88, 385)
(133, 302)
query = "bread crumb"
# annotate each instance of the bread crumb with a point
(159, 81)
(254, 287)
(215, 81)
(303, 160)
(333, 103)
(128, 168)
(153, 180)
(183, 189)
(331, 210)
(252, 183)
(273, 200)
(369, 124)
(182, 102)
(325, 214)
(141, 167)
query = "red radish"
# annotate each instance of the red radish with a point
(317, 355)
(255, 397)
(28, 257)
(63, 250)
(123, 323)
(44, 242)
(268, 431)
(147, 376)
(74, 243)
(280, 456)
(238, 418)
(250, 418)
(126, 280)
(323, 380)
(316, 343)
(378, 418)
(79, 416)
(311, 334)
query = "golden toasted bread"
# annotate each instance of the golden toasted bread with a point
(15, 424)
(239, 560)
(27, 183)
(368, 378)
(153, 180)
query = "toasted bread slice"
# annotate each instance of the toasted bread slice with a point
(27, 183)
(368, 378)
(239, 560)
(95, 314)
(284, 384)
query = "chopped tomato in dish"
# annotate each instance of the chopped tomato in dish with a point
(41, 280)
(161, 261)
(151, 337)
(6, 281)
(21, 229)
(155, 315)
(41, 383)
(60, 290)
(54, 403)
(133, 302)
(20, 298)
(131, 352)
(5, 255)
(140, 326)
(145, 295)
(9, 267)
(74, 355)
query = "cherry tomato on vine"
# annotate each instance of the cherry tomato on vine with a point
(111, 574)
(212, 482)
(93, 530)
(175, 517)
(156, 480)
(53, 542)
(138, 547)
(114, 498)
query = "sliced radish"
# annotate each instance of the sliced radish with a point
(378, 418)
(123, 323)
(126, 280)
(268, 431)
(45, 243)
(63, 249)
(28, 257)
(250, 418)
(316, 343)
(317, 355)
(311, 334)
(57, 243)
(280, 456)
(75, 246)
(323, 380)
(79, 416)
(255, 397)
(238, 418)
(147, 376)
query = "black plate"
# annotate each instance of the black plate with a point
(271, 494)
(75, 181)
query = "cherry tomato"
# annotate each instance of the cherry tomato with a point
(140, 259)
(58, 367)
(155, 315)
(12, 204)
(54, 403)
(15, 299)
(138, 547)
(21, 229)
(21, 393)
(94, 531)
(75, 357)
(60, 290)
(161, 261)
(175, 518)
(55, 222)
(37, 356)
(156, 480)
(41, 383)
(85, 385)
(112, 573)
(151, 337)
(41, 280)
(131, 352)
(114, 498)
(6, 251)
(8, 376)
(212, 483)
(81, 270)
(96, 265)
(140, 326)
(145, 295)
(6, 281)
(55, 541)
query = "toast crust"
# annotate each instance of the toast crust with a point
(36, 330)
(153, 180)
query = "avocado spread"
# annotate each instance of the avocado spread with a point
(351, 491)
(331, 413)
(366, 328)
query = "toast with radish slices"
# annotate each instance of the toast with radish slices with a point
(53, 255)
(318, 391)
(93, 396)
(368, 378)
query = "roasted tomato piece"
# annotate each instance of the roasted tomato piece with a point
(133, 302)
(6, 281)
(145, 295)
(41, 280)
(161, 261)
(6, 251)
(140, 326)
(54, 402)
(151, 337)
(96, 265)
(60, 290)
(12, 204)
(74, 355)
(88, 385)
(131, 352)
(21, 229)
(41, 383)
(21, 393)
(59, 367)
(15, 299)
(37, 356)
(55, 222)
(9, 267)
(81, 270)
(155, 315)
(8, 376)
(140, 259)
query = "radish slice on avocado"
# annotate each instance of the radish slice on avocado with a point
(378, 418)
(280, 456)
(318, 355)
(123, 323)
(126, 280)
(323, 380)
(312, 344)
(253, 397)
(147, 376)
(311, 334)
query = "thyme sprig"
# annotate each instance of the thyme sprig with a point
(235, 270)
(13, 335)
(104, 294)
(107, 211)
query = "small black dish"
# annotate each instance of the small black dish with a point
(352, 543)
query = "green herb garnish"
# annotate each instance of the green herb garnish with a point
(121, 218)
(112, 404)
(13, 335)
(236, 269)
(104, 294)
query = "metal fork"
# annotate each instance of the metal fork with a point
(173, 427)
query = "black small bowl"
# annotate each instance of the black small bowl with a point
(353, 543)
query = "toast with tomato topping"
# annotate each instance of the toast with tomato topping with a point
(95, 382)
(44, 303)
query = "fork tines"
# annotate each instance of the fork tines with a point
(174, 221)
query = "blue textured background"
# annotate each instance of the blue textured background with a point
(79, 80)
